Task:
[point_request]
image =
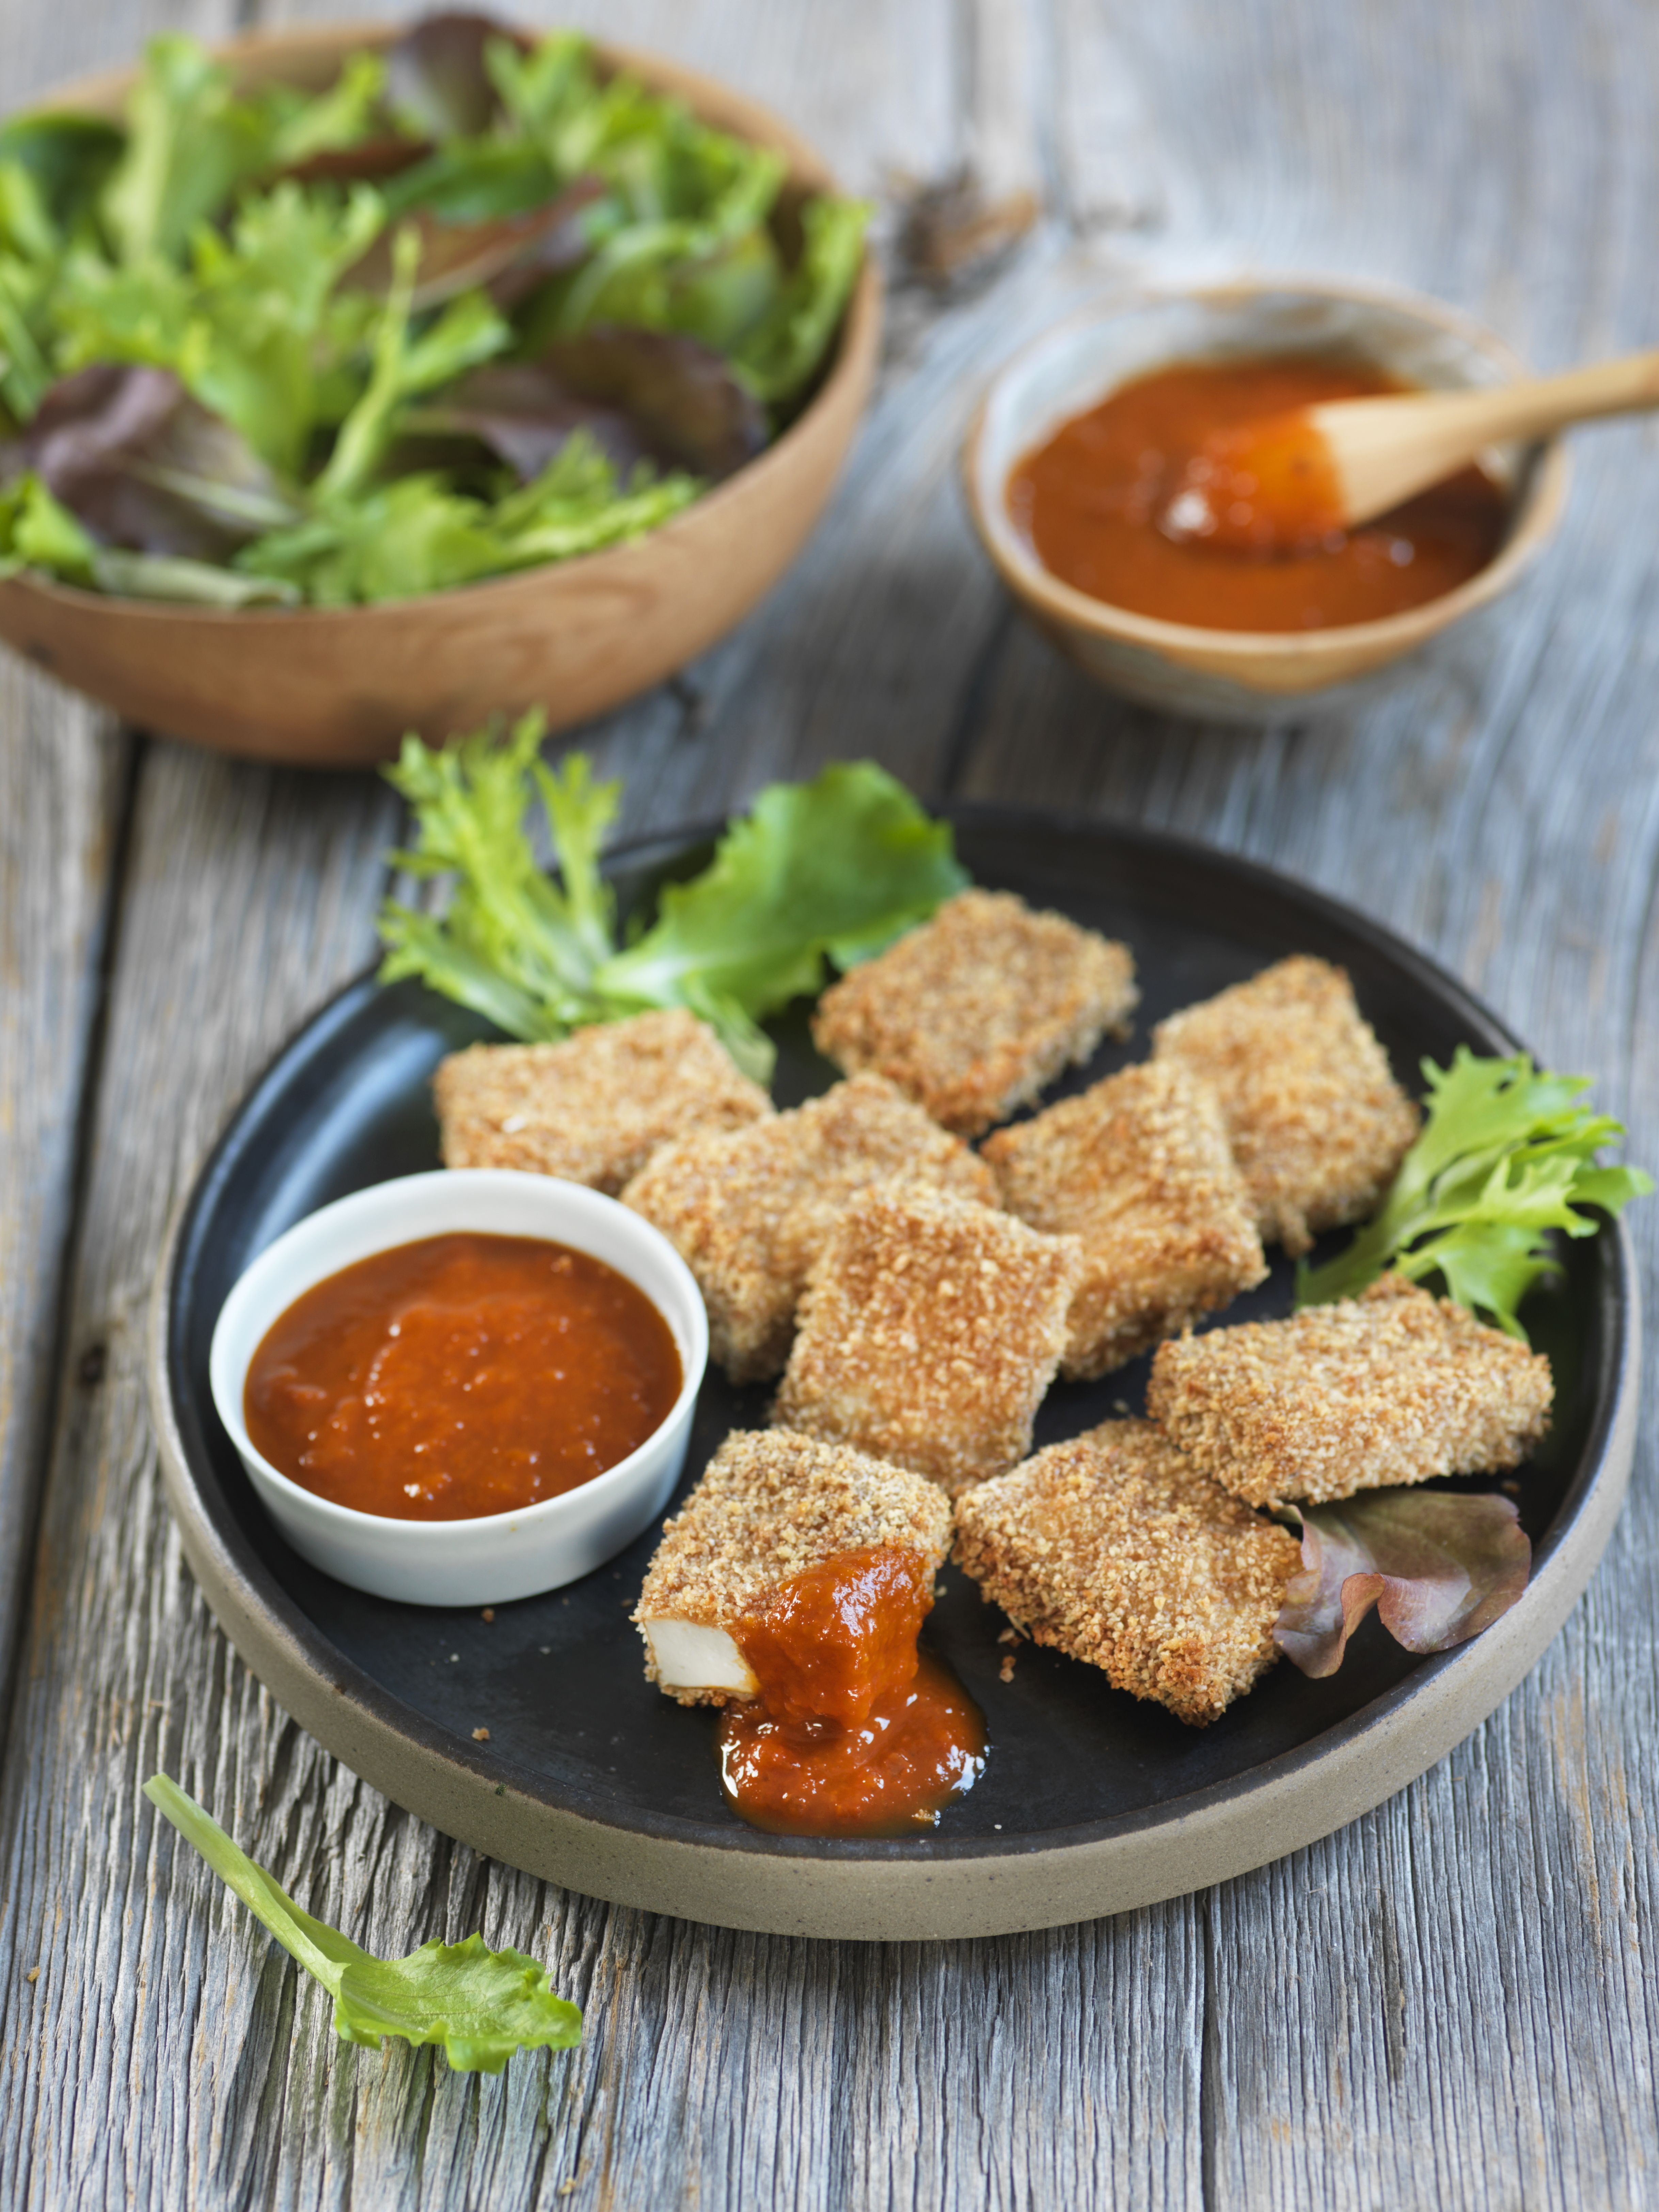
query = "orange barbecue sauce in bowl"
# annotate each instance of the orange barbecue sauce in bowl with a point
(854, 1731)
(1091, 501)
(461, 1375)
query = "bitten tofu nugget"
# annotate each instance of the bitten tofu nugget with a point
(1141, 1170)
(929, 1331)
(593, 1108)
(1115, 1549)
(1394, 1386)
(769, 1506)
(1317, 1122)
(975, 1011)
(751, 1211)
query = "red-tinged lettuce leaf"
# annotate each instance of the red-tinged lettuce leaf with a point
(144, 465)
(436, 80)
(368, 162)
(526, 417)
(508, 255)
(1439, 1566)
(643, 394)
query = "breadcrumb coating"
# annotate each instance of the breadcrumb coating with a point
(1140, 1168)
(929, 1333)
(1317, 1122)
(1115, 1549)
(1394, 1386)
(975, 1011)
(595, 1108)
(750, 1211)
(769, 1505)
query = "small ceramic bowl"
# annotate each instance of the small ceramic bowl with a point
(336, 687)
(1241, 675)
(498, 1556)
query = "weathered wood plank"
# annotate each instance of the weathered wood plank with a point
(62, 784)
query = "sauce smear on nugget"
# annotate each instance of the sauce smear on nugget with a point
(856, 1731)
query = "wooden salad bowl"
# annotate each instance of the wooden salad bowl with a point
(337, 687)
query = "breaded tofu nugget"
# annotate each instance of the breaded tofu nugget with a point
(929, 1333)
(1317, 1122)
(595, 1108)
(769, 1505)
(750, 1211)
(1115, 1549)
(972, 1013)
(1141, 1170)
(1394, 1386)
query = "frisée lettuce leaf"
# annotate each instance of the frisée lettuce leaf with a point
(817, 874)
(479, 2006)
(1507, 1153)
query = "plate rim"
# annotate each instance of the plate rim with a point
(933, 1887)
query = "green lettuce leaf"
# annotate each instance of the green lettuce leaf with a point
(781, 355)
(395, 541)
(468, 330)
(37, 532)
(480, 2006)
(1506, 1154)
(191, 142)
(830, 871)
(69, 158)
(302, 124)
(578, 504)
(513, 945)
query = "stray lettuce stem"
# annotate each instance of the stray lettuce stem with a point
(480, 2006)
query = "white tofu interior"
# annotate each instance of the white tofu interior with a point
(690, 1657)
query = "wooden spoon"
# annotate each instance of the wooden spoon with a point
(1290, 481)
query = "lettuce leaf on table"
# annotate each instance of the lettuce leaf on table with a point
(1506, 1154)
(821, 873)
(479, 2006)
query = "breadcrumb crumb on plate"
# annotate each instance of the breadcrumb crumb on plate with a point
(972, 1013)
(769, 1505)
(1318, 1124)
(595, 1108)
(930, 1329)
(1395, 1387)
(750, 1211)
(1115, 1549)
(1140, 1168)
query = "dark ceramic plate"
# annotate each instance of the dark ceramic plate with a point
(1091, 1800)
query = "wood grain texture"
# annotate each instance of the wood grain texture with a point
(1449, 2002)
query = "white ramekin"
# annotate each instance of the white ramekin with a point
(498, 1556)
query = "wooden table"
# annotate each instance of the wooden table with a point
(1449, 2002)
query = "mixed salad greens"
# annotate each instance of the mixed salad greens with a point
(480, 2006)
(825, 871)
(476, 306)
